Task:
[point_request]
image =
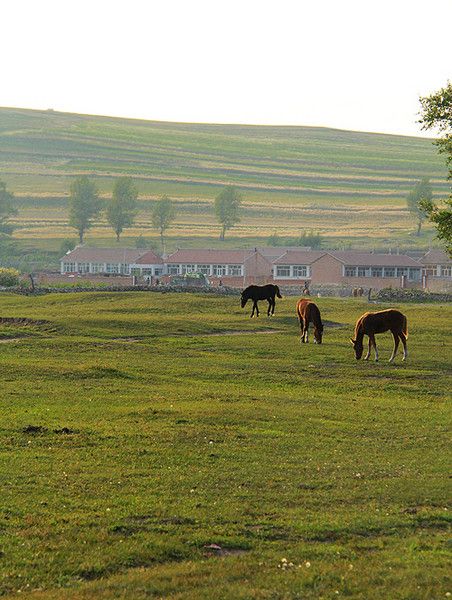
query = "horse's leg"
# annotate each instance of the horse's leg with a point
(396, 345)
(273, 305)
(254, 307)
(306, 331)
(300, 318)
(257, 308)
(269, 307)
(375, 347)
(402, 336)
(369, 348)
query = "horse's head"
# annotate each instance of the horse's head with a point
(243, 298)
(358, 348)
(318, 333)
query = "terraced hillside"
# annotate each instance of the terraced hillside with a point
(292, 177)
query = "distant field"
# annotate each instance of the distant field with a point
(133, 439)
(347, 185)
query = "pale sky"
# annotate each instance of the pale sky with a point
(349, 64)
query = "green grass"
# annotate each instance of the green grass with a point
(132, 439)
(292, 178)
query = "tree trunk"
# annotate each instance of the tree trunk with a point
(163, 241)
(419, 225)
(80, 235)
(223, 230)
(118, 233)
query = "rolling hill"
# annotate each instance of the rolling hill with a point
(347, 185)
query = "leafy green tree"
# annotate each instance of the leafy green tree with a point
(227, 208)
(163, 214)
(442, 219)
(311, 239)
(422, 191)
(7, 209)
(122, 209)
(9, 277)
(84, 205)
(437, 113)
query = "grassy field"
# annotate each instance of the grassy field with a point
(292, 178)
(138, 430)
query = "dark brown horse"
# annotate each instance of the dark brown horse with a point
(261, 292)
(308, 312)
(378, 322)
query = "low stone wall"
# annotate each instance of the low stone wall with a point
(398, 295)
(40, 291)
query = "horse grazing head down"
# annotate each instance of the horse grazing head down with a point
(358, 348)
(318, 333)
(244, 297)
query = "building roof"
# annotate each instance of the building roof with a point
(274, 252)
(436, 257)
(364, 259)
(299, 257)
(103, 255)
(208, 256)
(150, 258)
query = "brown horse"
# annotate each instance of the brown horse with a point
(371, 323)
(308, 312)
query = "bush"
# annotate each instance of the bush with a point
(9, 277)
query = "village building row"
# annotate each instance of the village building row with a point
(282, 265)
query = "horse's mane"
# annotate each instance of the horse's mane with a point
(359, 322)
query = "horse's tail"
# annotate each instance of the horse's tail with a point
(405, 326)
(278, 293)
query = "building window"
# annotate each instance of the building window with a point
(363, 272)
(173, 269)
(158, 270)
(112, 268)
(97, 267)
(350, 271)
(146, 271)
(415, 274)
(377, 271)
(390, 272)
(188, 269)
(402, 271)
(430, 270)
(83, 267)
(125, 269)
(204, 269)
(219, 270)
(446, 271)
(235, 270)
(69, 267)
(283, 271)
(300, 271)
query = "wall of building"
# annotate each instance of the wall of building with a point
(326, 270)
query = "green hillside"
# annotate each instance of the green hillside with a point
(292, 178)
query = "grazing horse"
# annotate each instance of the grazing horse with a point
(261, 292)
(308, 312)
(371, 323)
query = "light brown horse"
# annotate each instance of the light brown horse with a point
(371, 323)
(308, 312)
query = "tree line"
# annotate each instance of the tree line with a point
(85, 206)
